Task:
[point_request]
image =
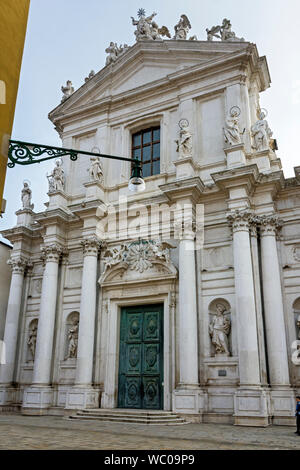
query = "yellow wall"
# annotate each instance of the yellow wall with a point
(13, 21)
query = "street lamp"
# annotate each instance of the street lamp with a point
(27, 153)
(136, 183)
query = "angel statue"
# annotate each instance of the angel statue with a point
(219, 329)
(157, 32)
(67, 90)
(222, 32)
(95, 170)
(26, 196)
(213, 32)
(147, 28)
(182, 28)
(261, 132)
(143, 25)
(184, 143)
(232, 133)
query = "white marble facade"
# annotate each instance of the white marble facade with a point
(231, 309)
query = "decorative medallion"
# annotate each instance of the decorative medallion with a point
(134, 357)
(151, 356)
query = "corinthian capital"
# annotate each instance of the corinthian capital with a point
(240, 220)
(17, 264)
(52, 252)
(270, 224)
(91, 246)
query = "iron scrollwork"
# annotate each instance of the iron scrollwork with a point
(24, 153)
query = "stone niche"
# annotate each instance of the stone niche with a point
(221, 367)
(69, 350)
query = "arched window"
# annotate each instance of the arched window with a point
(146, 147)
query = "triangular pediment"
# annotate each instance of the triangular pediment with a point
(146, 64)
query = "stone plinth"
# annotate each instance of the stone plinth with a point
(189, 401)
(94, 190)
(235, 155)
(79, 398)
(24, 217)
(252, 407)
(37, 400)
(262, 159)
(185, 167)
(57, 199)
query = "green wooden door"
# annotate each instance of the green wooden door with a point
(141, 358)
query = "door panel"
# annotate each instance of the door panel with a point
(141, 357)
(133, 397)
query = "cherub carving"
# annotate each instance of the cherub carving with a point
(67, 90)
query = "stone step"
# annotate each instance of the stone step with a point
(130, 416)
(131, 420)
(127, 414)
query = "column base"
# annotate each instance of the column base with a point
(8, 395)
(252, 407)
(37, 400)
(188, 400)
(79, 398)
(283, 405)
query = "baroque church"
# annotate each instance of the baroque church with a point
(99, 318)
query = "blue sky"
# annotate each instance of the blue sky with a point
(67, 38)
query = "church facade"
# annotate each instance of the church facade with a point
(116, 299)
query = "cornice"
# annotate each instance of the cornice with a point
(20, 232)
(248, 174)
(179, 189)
(54, 216)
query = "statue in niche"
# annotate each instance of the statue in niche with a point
(298, 324)
(56, 179)
(261, 132)
(67, 90)
(26, 196)
(146, 28)
(182, 28)
(73, 340)
(219, 330)
(95, 171)
(184, 143)
(232, 133)
(222, 32)
(31, 342)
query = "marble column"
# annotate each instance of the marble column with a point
(251, 405)
(274, 317)
(39, 394)
(7, 392)
(258, 299)
(83, 395)
(186, 396)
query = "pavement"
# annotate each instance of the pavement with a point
(19, 432)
